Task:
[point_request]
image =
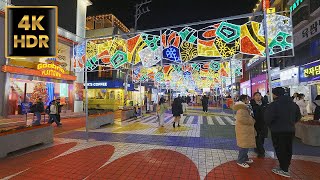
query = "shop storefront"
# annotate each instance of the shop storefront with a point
(259, 84)
(109, 94)
(309, 76)
(245, 88)
(289, 79)
(30, 78)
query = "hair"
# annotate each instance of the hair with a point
(300, 96)
(243, 97)
(256, 93)
(161, 101)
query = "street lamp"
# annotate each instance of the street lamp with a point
(139, 11)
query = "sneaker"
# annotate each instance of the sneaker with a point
(250, 161)
(280, 172)
(244, 165)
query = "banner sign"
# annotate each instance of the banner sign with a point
(31, 31)
(108, 84)
(310, 72)
(307, 32)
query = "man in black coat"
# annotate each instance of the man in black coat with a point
(258, 107)
(281, 116)
(205, 102)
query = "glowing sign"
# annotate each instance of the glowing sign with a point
(296, 4)
(51, 70)
(310, 72)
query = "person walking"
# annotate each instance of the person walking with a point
(53, 113)
(258, 107)
(176, 111)
(59, 107)
(302, 104)
(280, 116)
(316, 102)
(37, 109)
(205, 102)
(161, 109)
(245, 132)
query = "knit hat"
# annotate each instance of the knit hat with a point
(279, 91)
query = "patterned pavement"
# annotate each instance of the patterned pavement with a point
(203, 148)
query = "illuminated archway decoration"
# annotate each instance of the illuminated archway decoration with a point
(184, 46)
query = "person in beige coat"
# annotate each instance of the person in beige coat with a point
(245, 132)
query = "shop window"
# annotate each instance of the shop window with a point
(301, 15)
(314, 5)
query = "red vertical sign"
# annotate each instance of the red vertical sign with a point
(266, 4)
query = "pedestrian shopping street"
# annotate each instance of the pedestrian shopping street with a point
(204, 147)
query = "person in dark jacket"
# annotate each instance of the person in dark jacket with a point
(38, 108)
(258, 107)
(59, 107)
(281, 117)
(205, 101)
(176, 111)
(316, 102)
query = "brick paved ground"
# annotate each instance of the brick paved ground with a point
(203, 148)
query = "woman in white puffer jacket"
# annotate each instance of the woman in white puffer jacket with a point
(302, 104)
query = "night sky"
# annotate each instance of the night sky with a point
(171, 12)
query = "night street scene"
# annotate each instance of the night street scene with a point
(159, 89)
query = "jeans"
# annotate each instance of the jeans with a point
(282, 143)
(205, 108)
(243, 155)
(53, 117)
(38, 116)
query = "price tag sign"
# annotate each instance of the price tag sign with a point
(31, 31)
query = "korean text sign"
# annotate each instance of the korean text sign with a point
(310, 72)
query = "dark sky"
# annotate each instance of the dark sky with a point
(171, 12)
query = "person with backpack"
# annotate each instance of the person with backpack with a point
(37, 109)
(53, 113)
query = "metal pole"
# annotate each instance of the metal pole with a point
(87, 109)
(267, 51)
(140, 101)
(232, 95)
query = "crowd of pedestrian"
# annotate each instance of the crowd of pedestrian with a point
(255, 117)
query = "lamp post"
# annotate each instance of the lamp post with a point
(139, 11)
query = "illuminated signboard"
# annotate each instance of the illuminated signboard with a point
(296, 4)
(50, 70)
(310, 72)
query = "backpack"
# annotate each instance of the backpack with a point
(47, 110)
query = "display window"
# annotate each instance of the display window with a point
(28, 91)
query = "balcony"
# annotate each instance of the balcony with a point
(314, 8)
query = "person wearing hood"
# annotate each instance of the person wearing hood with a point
(302, 104)
(258, 107)
(316, 102)
(245, 132)
(281, 116)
